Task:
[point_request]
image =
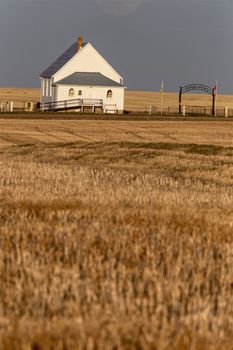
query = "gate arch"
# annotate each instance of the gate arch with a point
(197, 87)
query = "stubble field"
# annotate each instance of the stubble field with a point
(116, 235)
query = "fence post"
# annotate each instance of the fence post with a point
(150, 110)
(226, 112)
(184, 111)
(1, 106)
(11, 105)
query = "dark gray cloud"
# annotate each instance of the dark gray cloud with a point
(180, 41)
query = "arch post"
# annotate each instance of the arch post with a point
(214, 103)
(180, 101)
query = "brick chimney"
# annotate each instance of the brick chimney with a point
(80, 42)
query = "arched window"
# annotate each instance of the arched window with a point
(71, 93)
(80, 93)
(109, 94)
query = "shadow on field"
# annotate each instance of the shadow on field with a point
(90, 147)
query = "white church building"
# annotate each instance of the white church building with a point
(82, 77)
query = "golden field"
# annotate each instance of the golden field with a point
(140, 100)
(136, 101)
(19, 95)
(116, 235)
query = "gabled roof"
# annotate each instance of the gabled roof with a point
(61, 61)
(86, 78)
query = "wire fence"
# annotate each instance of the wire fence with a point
(17, 106)
(191, 111)
(25, 106)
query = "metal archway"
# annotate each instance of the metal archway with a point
(197, 87)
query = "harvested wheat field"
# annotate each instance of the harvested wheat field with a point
(116, 235)
(19, 95)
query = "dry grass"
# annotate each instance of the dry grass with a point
(136, 101)
(116, 235)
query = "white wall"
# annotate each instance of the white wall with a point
(94, 92)
(87, 60)
(46, 90)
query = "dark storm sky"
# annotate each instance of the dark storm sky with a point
(180, 41)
